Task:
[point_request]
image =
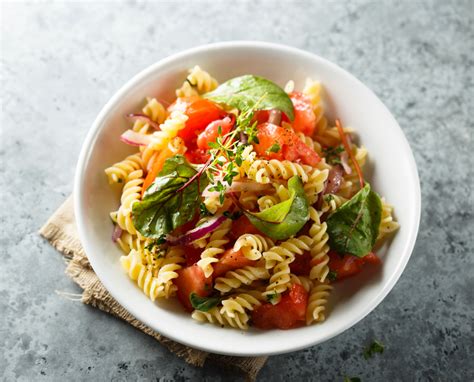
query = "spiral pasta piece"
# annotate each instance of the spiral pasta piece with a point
(167, 273)
(168, 130)
(313, 90)
(331, 202)
(280, 280)
(317, 301)
(214, 316)
(315, 185)
(245, 275)
(239, 304)
(136, 270)
(201, 80)
(387, 223)
(319, 247)
(252, 245)
(263, 171)
(215, 247)
(267, 201)
(131, 194)
(287, 250)
(118, 172)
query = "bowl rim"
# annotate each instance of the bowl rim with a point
(174, 335)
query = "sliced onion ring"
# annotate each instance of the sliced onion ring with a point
(133, 138)
(145, 118)
(117, 232)
(196, 233)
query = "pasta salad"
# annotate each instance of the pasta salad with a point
(245, 202)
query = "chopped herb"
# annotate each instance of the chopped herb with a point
(203, 304)
(274, 148)
(219, 130)
(332, 154)
(272, 298)
(328, 197)
(203, 211)
(374, 347)
(220, 188)
(332, 276)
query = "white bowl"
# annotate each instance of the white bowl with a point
(392, 168)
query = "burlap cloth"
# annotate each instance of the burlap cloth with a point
(60, 231)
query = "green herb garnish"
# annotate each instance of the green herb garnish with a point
(332, 154)
(374, 347)
(274, 148)
(203, 304)
(332, 276)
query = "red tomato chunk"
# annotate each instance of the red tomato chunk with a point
(191, 280)
(289, 313)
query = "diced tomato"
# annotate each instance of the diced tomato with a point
(191, 279)
(211, 132)
(289, 313)
(192, 255)
(261, 116)
(291, 147)
(305, 120)
(197, 156)
(349, 265)
(301, 266)
(242, 226)
(231, 260)
(200, 113)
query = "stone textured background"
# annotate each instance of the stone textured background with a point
(62, 62)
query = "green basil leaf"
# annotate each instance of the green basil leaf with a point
(163, 208)
(353, 228)
(203, 304)
(278, 212)
(247, 92)
(294, 220)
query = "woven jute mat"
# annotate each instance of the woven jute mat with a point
(60, 230)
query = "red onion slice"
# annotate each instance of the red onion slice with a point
(116, 233)
(196, 233)
(334, 181)
(133, 138)
(144, 118)
(345, 163)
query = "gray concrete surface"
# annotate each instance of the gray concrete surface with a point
(61, 63)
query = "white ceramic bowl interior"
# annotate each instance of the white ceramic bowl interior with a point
(392, 172)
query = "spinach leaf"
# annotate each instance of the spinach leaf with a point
(166, 204)
(203, 304)
(294, 219)
(248, 91)
(353, 228)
